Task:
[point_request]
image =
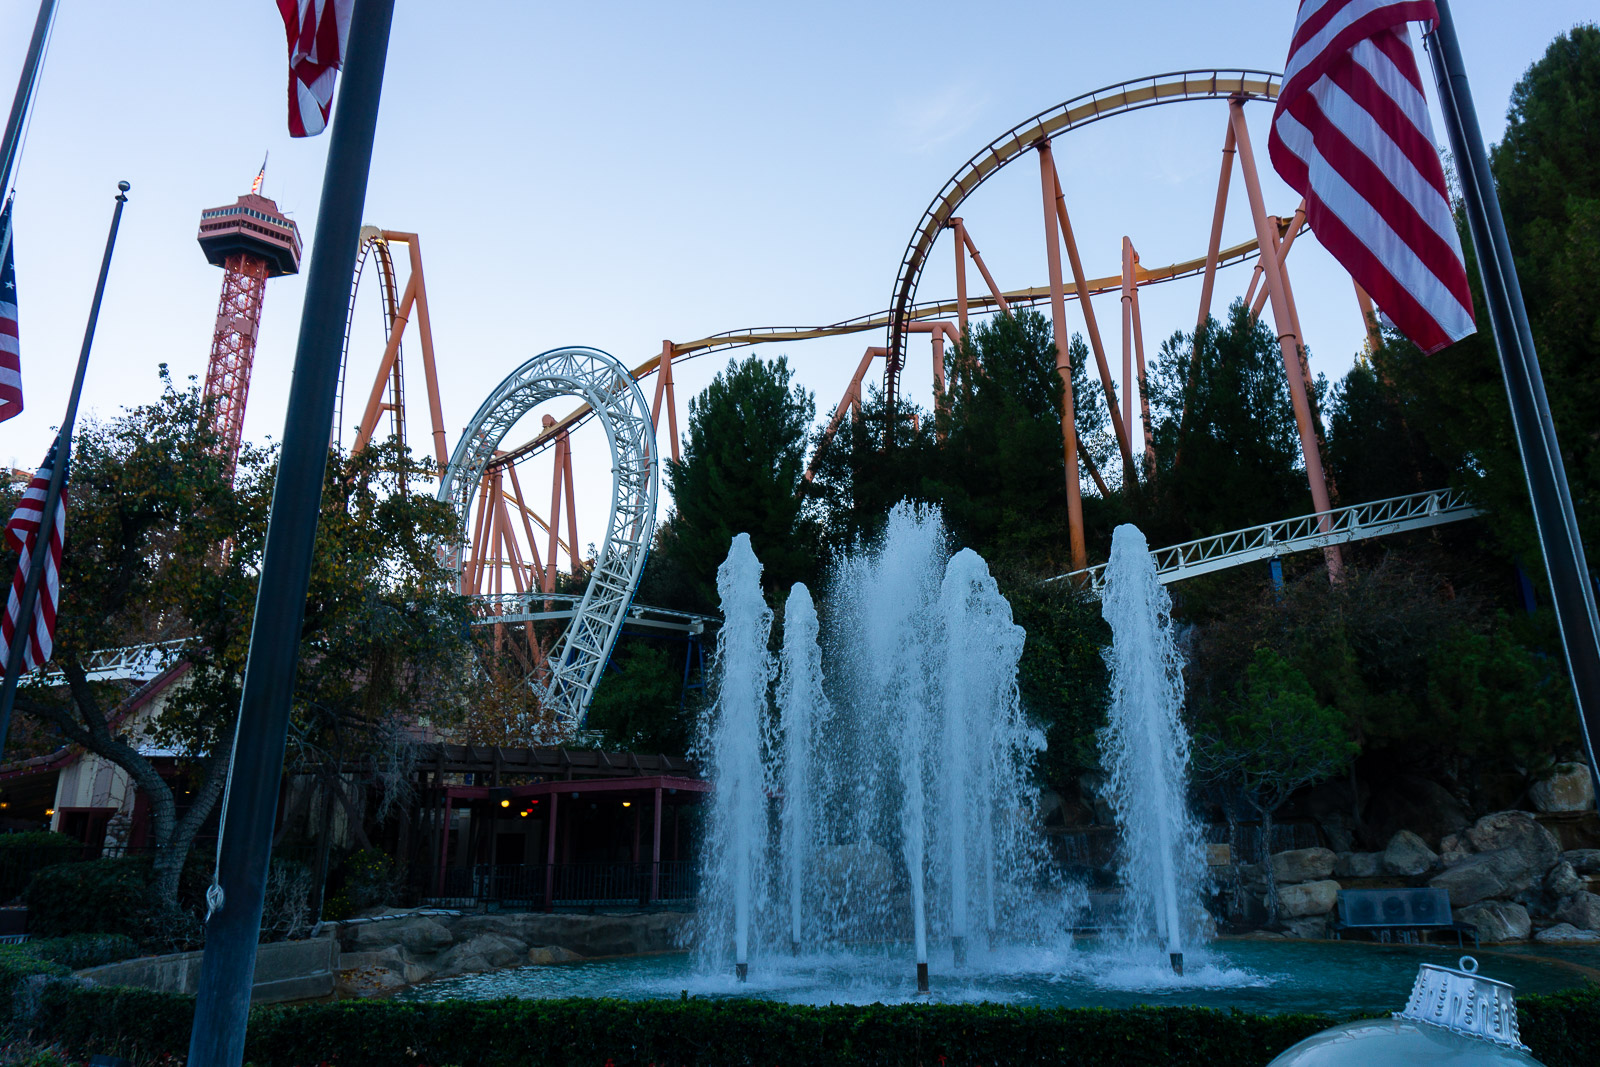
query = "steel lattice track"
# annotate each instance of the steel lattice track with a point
(1354, 523)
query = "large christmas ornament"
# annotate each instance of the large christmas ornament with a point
(1455, 1018)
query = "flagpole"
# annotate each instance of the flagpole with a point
(250, 803)
(12, 139)
(1560, 541)
(58, 472)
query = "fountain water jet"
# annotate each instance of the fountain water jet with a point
(1145, 751)
(801, 705)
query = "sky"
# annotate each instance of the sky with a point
(613, 174)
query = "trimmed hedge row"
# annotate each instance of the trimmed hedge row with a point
(1563, 1031)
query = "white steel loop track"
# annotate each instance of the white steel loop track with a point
(1020, 139)
(371, 240)
(619, 405)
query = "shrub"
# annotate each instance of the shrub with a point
(77, 951)
(106, 896)
(23, 854)
(367, 880)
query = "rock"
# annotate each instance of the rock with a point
(1411, 802)
(547, 954)
(1358, 864)
(483, 952)
(1581, 910)
(1310, 928)
(1498, 920)
(1569, 788)
(1092, 789)
(1452, 857)
(369, 982)
(1408, 855)
(1454, 843)
(1302, 865)
(1485, 875)
(422, 934)
(1566, 934)
(1516, 830)
(1583, 860)
(1308, 898)
(1563, 881)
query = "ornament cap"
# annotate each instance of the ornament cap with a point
(1464, 1002)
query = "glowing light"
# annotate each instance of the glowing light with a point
(505, 803)
(627, 803)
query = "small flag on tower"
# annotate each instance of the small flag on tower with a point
(1351, 133)
(22, 534)
(10, 351)
(317, 31)
(261, 176)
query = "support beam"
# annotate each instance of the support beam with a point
(960, 243)
(1058, 315)
(1131, 315)
(1369, 318)
(988, 279)
(1288, 342)
(851, 401)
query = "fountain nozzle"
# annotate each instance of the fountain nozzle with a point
(742, 971)
(922, 978)
(1177, 962)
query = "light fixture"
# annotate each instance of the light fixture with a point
(505, 803)
(627, 803)
(526, 813)
(49, 811)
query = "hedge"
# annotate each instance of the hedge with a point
(1563, 1030)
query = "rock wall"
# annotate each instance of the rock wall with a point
(387, 953)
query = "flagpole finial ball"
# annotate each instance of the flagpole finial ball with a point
(122, 189)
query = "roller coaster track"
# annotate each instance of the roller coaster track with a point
(1269, 540)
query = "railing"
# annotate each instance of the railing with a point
(537, 886)
(1354, 523)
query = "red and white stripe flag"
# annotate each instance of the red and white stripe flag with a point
(317, 31)
(1351, 133)
(10, 350)
(22, 534)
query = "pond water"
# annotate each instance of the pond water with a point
(1256, 975)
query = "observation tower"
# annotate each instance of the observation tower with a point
(251, 240)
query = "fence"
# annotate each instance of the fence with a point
(538, 886)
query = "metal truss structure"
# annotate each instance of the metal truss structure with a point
(1358, 522)
(567, 679)
(138, 663)
(502, 609)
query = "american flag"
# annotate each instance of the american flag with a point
(317, 30)
(1351, 133)
(22, 534)
(10, 352)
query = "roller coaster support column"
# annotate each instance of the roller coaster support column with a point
(1560, 541)
(1058, 315)
(664, 388)
(1207, 285)
(1132, 324)
(850, 402)
(988, 279)
(1369, 318)
(1288, 341)
(960, 242)
(1130, 477)
(250, 806)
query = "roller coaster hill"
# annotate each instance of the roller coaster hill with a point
(559, 611)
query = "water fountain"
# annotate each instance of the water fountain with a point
(913, 745)
(1145, 751)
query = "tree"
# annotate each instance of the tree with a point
(743, 458)
(1270, 739)
(161, 544)
(638, 703)
(1372, 451)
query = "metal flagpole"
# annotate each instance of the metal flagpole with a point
(1559, 540)
(25, 84)
(250, 805)
(58, 472)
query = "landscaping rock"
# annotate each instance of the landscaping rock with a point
(1583, 860)
(1411, 802)
(1310, 928)
(1498, 920)
(368, 982)
(1563, 881)
(1454, 843)
(1516, 831)
(1308, 898)
(1566, 934)
(1302, 865)
(1358, 864)
(546, 954)
(484, 952)
(1452, 857)
(423, 934)
(1486, 875)
(1569, 789)
(1581, 910)
(1408, 855)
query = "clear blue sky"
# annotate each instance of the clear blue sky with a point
(617, 174)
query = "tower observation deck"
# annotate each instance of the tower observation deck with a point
(251, 240)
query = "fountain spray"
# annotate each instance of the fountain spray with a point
(801, 705)
(1145, 748)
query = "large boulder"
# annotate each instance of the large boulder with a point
(418, 933)
(483, 952)
(1581, 910)
(1308, 898)
(1563, 881)
(1517, 831)
(1569, 788)
(1411, 802)
(1358, 864)
(1302, 865)
(1566, 934)
(1309, 928)
(1498, 920)
(1486, 875)
(1408, 855)
(1583, 860)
